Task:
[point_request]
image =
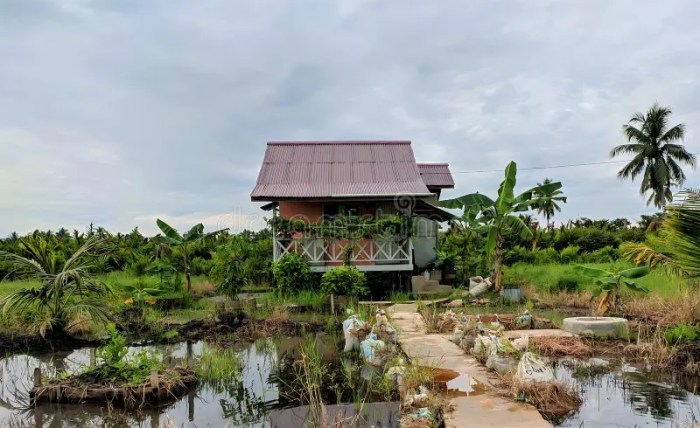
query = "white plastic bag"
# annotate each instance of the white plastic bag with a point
(477, 286)
(350, 326)
(532, 369)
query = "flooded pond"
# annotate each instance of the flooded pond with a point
(258, 397)
(616, 394)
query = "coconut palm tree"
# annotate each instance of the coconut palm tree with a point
(680, 237)
(65, 289)
(548, 201)
(657, 154)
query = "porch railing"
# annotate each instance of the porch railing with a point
(321, 251)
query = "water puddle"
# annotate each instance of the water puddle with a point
(256, 399)
(623, 395)
(456, 384)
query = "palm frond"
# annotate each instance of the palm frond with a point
(93, 247)
(21, 266)
(633, 148)
(635, 134)
(676, 133)
(679, 152)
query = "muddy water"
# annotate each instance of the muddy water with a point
(623, 395)
(254, 401)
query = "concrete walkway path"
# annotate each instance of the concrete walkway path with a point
(476, 408)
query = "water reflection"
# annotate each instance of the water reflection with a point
(622, 395)
(250, 400)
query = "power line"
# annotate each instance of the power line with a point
(570, 165)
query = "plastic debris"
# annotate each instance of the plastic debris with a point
(447, 321)
(418, 400)
(458, 303)
(478, 285)
(533, 369)
(521, 344)
(370, 349)
(352, 328)
(523, 320)
(383, 329)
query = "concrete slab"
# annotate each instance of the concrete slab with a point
(482, 409)
(553, 332)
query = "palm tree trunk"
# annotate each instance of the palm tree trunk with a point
(498, 268)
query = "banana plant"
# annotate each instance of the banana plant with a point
(610, 283)
(500, 215)
(185, 242)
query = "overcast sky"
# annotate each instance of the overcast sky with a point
(118, 112)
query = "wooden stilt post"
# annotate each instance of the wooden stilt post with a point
(37, 377)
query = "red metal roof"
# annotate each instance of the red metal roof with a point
(336, 169)
(436, 175)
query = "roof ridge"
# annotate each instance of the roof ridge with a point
(334, 142)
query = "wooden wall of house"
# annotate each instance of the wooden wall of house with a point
(308, 211)
(313, 211)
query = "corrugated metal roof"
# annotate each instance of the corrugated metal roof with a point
(327, 169)
(436, 175)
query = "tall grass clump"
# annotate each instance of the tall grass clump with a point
(220, 366)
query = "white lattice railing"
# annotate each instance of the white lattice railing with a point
(328, 250)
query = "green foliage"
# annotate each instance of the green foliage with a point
(117, 365)
(185, 243)
(547, 255)
(346, 227)
(570, 254)
(220, 366)
(500, 215)
(677, 248)
(66, 289)
(244, 261)
(609, 283)
(681, 333)
(568, 283)
(292, 273)
(344, 281)
(606, 254)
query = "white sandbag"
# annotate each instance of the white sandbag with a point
(482, 345)
(500, 363)
(521, 343)
(350, 326)
(478, 289)
(370, 349)
(533, 369)
(458, 333)
(383, 329)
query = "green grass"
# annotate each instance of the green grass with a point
(546, 277)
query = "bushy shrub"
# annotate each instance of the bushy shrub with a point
(546, 256)
(570, 254)
(568, 283)
(591, 239)
(292, 273)
(344, 281)
(680, 333)
(518, 255)
(602, 255)
(200, 266)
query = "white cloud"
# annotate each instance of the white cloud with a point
(114, 111)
